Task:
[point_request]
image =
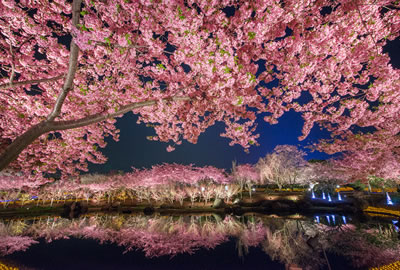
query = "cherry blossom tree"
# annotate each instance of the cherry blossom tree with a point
(246, 174)
(161, 183)
(327, 172)
(364, 155)
(182, 66)
(283, 166)
(293, 161)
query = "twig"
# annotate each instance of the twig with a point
(366, 28)
(8, 85)
(12, 65)
(1, 92)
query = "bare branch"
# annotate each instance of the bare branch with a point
(73, 65)
(15, 84)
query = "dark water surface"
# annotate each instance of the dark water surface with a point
(88, 254)
(118, 241)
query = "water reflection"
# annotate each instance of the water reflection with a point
(293, 241)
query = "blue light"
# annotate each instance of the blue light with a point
(339, 197)
(313, 195)
(329, 197)
(323, 196)
(388, 199)
(344, 220)
(317, 219)
(333, 219)
(396, 228)
(328, 219)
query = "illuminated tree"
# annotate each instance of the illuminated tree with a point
(284, 165)
(182, 66)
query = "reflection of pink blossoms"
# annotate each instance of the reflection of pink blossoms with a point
(11, 244)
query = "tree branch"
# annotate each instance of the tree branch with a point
(12, 66)
(366, 28)
(131, 46)
(14, 84)
(72, 66)
(20, 143)
(91, 119)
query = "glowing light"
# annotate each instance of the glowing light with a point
(317, 219)
(344, 220)
(328, 219)
(333, 219)
(202, 188)
(329, 197)
(313, 195)
(337, 186)
(253, 189)
(396, 228)
(226, 187)
(323, 196)
(388, 199)
(339, 197)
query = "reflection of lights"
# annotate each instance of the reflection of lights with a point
(317, 219)
(323, 196)
(344, 220)
(328, 219)
(333, 219)
(329, 197)
(339, 197)
(396, 228)
(313, 194)
(226, 187)
(388, 199)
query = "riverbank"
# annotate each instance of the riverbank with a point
(284, 203)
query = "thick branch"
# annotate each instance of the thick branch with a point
(73, 64)
(91, 119)
(8, 85)
(21, 142)
(15, 148)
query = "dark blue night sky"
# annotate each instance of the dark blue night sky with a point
(134, 150)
